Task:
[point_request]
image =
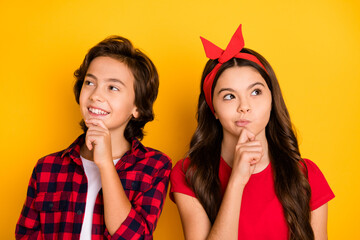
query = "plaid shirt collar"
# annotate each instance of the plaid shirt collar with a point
(74, 150)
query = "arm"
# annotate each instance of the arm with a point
(28, 225)
(321, 194)
(116, 204)
(125, 219)
(319, 222)
(146, 207)
(196, 224)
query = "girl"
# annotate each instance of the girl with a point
(244, 177)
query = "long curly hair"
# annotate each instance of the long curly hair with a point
(290, 173)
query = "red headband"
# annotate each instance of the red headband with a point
(214, 52)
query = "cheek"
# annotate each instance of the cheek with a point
(267, 108)
(82, 98)
(225, 118)
(123, 104)
(83, 103)
(83, 93)
(223, 112)
(265, 113)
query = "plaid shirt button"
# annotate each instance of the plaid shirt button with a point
(135, 185)
(79, 212)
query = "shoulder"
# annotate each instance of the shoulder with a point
(178, 180)
(313, 170)
(321, 192)
(53, 161)
(49, 160)
(158, 156)
(158, 159)
(311, 165)
(149, 159)
(47, 168)
(180, 168)
(182, 164)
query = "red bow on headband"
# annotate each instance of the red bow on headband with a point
(214, 52)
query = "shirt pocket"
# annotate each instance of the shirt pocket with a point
(135, 182)
(52, 202)
(53, 212)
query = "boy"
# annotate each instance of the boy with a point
(106, 185)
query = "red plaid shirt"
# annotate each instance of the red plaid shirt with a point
(56, 196)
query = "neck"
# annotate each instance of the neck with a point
(228, 145)
(119, 146)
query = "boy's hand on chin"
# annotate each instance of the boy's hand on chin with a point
(98, 140)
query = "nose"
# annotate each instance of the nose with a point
(96, 95)
(244, 106)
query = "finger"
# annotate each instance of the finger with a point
(252, 157)
(95, 134)
(246, 136)
(251, 149)
(251, 143)
(97, 129)
(255, 161)
(95, 122)
(247, 145)
(92, 135)
(88, 143)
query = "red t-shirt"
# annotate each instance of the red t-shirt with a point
(261, 214)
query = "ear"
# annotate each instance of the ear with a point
(216, 116)
(135, 113)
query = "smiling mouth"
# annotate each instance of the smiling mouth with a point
(97, 111)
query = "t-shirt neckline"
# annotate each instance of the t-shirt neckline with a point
(254, 174)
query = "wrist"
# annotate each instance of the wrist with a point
(237, 182)
(105, 165)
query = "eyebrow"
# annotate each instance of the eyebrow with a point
(108, 80)
(226, 89)
(254, 84)
(249, 87)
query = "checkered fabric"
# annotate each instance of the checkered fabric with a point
(56, 196)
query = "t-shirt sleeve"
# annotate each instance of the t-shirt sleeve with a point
(178, 180)
(321, 192)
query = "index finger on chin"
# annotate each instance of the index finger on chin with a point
(245, 136)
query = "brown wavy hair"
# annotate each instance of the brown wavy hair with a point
(146, 82)
(290, 173)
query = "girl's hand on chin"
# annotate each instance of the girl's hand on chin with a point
(98, 140)
(248, 152)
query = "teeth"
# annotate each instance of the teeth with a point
(97, 111)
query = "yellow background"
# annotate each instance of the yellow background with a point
(312, 45)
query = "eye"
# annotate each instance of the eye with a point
(256, 92)
(229, 97)
(89, 83)
(112, 88)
